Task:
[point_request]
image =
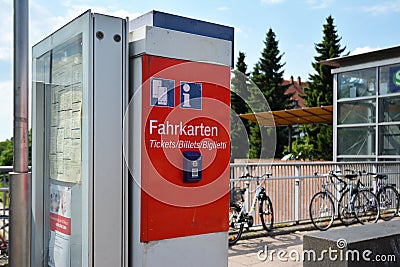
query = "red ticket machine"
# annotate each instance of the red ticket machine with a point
(179, 150)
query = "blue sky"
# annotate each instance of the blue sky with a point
(363, 25)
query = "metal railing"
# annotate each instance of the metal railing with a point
(4, 207)
(292, 185)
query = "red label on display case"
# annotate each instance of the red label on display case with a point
(185, 148)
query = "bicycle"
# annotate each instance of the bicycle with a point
(322, 208)
(358, 202)
(387, 195)
(3, 243)
(239, 216)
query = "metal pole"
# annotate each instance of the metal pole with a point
(20, 182)
(290, 138)
(21, 86)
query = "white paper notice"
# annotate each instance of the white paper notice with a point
(60, 226)
(66, 120)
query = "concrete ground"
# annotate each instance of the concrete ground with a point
(279, 248)
(263, 250)
(257, 252)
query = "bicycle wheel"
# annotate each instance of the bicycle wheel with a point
(235, 224)
(322, 211)
(388, 202)
(345, 212)
(266, 213)
(366, 207)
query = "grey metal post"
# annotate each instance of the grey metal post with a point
(247, 196)
(297, 194)
(290, 138)
(20, 182)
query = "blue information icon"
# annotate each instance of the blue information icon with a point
(162, 92)
(190, 95)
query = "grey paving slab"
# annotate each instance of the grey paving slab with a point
(288, 242)
(262, 251)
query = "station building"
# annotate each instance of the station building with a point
(366, 117)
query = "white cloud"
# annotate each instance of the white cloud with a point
(41, 28)
(382, 8)
(318, 4)
(272, 2)
(224, 8)
(6, 26)
(365, 49)
(6, 110)
(6, 53)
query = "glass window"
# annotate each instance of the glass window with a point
(357, 83)
(356, 141)
(389, 79)
(389, 109)
(389, 140)
(356, 112)
(388, 159)
(64, 126)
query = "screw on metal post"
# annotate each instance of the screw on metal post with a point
(99, 35)
(117, 38)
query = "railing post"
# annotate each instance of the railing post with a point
(375, 169)
(297, 194)
(247, 196)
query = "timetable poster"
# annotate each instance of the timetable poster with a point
(60, 226)
(66, 113)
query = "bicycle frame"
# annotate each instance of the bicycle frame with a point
(259, 189)
(325, 187)
(244, 209)
(381, 187)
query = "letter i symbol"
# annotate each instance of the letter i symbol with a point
(186, 96)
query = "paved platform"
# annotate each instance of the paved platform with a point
(247, 252)
(281, 248)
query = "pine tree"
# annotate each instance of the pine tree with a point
(239, 91)
(268, 76)
(320, 93)
(239, 97)
(320, 86)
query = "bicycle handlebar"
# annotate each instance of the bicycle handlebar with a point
(247, 175)
(378, 175)
(357, 172)
(332, 174)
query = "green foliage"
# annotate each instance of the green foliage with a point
(7, 151)
(320, 93)
(316, 142)
(239, 96)
(301, 149)
(239, 92)
(268, 76)
(320, 89)
(255, 141)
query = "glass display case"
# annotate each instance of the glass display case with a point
(72, 88)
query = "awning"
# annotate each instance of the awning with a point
(321, 114)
